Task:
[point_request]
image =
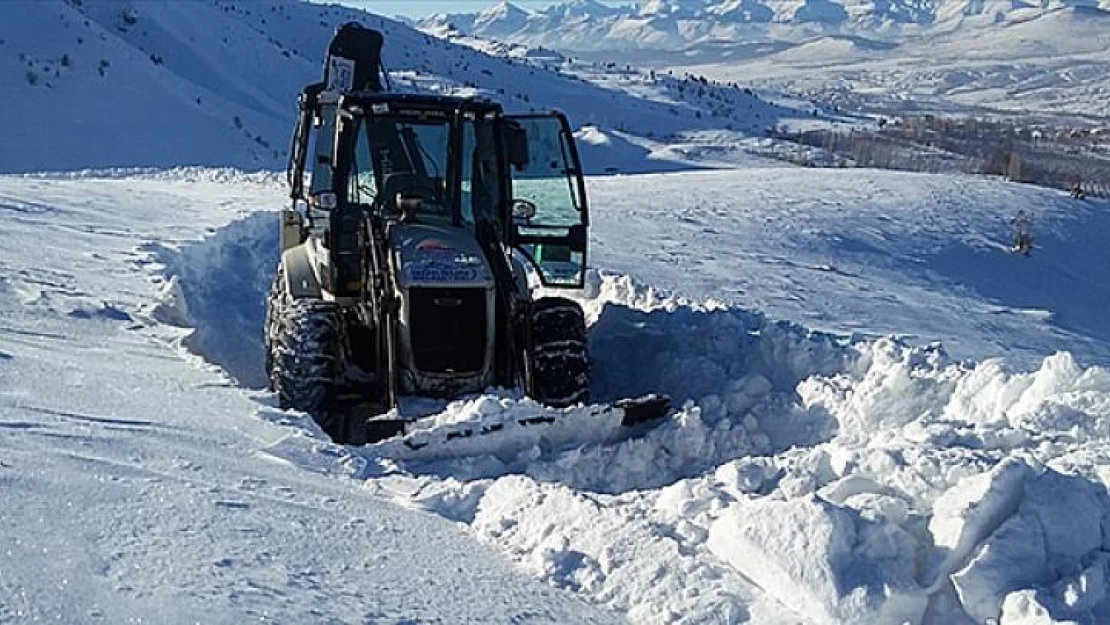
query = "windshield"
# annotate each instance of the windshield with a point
(401, 157)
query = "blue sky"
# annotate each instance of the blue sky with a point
(418, 8)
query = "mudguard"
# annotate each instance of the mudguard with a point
(301, 280)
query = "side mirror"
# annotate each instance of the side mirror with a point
(523, 211)
(408, 206)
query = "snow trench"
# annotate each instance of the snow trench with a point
(802, 477)
(218, 287)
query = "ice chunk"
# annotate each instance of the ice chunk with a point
(822, 560)
(1022, 608)
(970, 511)
(1012, 558)
(1056, 527)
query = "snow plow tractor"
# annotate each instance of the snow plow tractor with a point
(418, 228)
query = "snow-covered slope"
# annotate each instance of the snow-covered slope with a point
(111, 83)
(806, 477)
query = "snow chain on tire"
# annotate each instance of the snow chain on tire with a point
(274, 301)
(305, 357)
(560, 357)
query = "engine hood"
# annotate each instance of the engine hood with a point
(440, 256)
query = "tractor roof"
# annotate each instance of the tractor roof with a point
(416, 103)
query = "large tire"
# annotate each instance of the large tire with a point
(305, 360)
(560, 358)
(274, 301)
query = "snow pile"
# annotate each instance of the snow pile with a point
(851, 482)
(829, 562)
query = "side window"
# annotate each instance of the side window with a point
(549, 211)
(363, 187)
(547, 179)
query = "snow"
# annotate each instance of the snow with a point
(826, 560)
(880, 415)
(141, 483)
(880, 453)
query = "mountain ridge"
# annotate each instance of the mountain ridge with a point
(586, 25)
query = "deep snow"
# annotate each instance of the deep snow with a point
(134, 490)
(914, 485)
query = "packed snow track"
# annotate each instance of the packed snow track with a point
(817, 477)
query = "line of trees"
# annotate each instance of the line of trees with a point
(1059, 158)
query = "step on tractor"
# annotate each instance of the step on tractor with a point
(419, 229)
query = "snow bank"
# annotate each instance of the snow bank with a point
(844, 480)
(218, 286)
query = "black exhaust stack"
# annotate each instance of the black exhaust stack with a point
(354, 60)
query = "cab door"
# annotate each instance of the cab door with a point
(549, 208)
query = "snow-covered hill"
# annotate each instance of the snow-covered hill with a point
(124, 83)
(1054, 65)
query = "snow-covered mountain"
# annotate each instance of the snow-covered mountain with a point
(948, 57)
(111, 83)
(585, 25)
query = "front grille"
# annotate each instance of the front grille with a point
(448, 329)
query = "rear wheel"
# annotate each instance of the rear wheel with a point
(560, 357)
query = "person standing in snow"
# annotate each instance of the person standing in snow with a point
(1023, 233)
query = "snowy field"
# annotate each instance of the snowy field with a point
(827, 462)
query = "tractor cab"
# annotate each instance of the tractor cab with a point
(450, 162)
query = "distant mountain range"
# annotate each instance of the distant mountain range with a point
(588, 25)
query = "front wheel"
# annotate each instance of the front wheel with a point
(560, 360)
(305, 361)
